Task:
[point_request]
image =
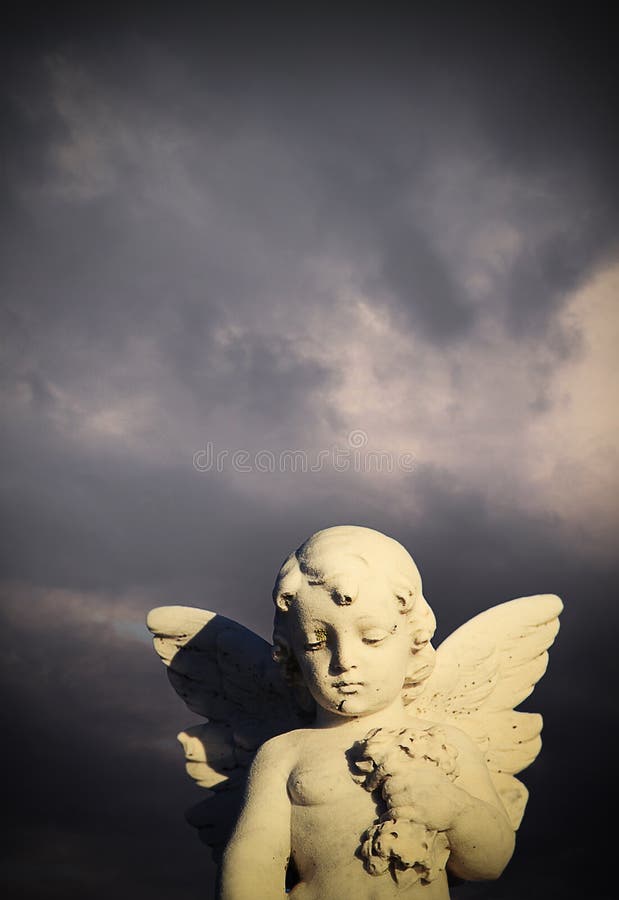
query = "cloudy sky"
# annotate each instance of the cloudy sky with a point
(265, 274)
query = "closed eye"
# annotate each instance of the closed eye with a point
(375, 637)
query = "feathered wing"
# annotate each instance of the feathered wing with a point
(225, 673)
(483, 671)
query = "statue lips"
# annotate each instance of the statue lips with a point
(347, 687)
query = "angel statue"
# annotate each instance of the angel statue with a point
(352, 761)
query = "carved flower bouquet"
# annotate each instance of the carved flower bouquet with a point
(396, 843)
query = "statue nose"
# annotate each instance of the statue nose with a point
(343, 657)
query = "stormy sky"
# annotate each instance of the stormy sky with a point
(265, 272)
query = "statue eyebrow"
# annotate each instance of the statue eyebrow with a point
(320, 634)
(376, 623)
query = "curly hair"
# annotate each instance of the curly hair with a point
(338, 558)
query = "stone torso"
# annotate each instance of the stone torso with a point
(330, 812)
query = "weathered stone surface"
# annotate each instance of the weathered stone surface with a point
(352, 760)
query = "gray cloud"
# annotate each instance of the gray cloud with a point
(194, 207)
(356, 142)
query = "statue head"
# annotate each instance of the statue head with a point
(352, 627)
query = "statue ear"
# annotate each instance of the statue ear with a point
(282, 651)
(405, 600)
(282, 654)
(283, 601)
(420, 666)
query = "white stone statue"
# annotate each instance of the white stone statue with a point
(377, 766)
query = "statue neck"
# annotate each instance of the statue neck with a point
(394, 714)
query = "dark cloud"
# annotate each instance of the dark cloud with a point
(188, 196)
(362, 119)
(421, 282)
(76, 697)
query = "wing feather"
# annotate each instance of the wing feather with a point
(485, 669)
(225, 673)
(220, 669)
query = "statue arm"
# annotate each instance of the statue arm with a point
(259, 849)
(481, 838)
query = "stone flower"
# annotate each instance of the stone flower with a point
(410, 851)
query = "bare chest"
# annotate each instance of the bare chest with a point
(323, 776)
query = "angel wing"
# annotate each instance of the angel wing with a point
(485, 669)
(225, 673)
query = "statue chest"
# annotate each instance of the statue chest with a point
(325, 778)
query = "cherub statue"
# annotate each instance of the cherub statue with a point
(352, 761)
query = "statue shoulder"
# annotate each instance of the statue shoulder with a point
(280, 752)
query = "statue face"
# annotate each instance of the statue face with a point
(353, 658)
